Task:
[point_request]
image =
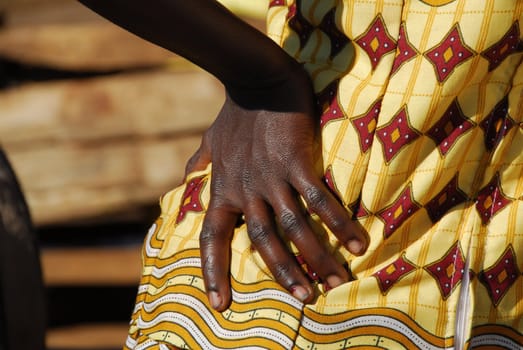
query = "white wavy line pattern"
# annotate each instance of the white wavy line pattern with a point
(201, 339)
(187, 262)
(495, 340)
(362, 321)
(142, 288)
(273, 294)
(151, 252)
(130, 342)
(137, 307)
(371, 320)
(243, 298)
(146, 344)
(209, 319)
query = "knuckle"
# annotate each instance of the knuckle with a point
(289, 221)
(207, 237)
(218, 183)
(319, 259)
(316, 198)
(339, 225)
(208, 266)
(246, 180)
(246, 177)
(258, 233)
(282, 272)
(210, 272)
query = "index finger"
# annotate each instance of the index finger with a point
(215, 240)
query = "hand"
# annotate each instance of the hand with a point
(262, 162)
(261, 144)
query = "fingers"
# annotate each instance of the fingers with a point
(215, 241)
(281, 263)
(337, 218)
(220, 221)
(292, 219)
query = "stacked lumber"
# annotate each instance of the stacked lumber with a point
(97, 124)
(114, 139)
(94, 146)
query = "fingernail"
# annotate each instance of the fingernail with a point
(334, 281)
(299, 292)
(355, 247)
(215, 299)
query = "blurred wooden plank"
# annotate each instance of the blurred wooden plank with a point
(101, 146)
(66, 182)
(108, 266)
(31, 12)
(87, 46)
(63, 34)
(88, 336)
(148, 103)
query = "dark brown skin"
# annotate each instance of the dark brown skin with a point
(260, 145)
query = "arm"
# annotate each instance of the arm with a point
(206, 33)
(261, 143)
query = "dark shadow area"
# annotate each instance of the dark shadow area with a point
(89, 304)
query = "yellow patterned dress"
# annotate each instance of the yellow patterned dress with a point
(422, 140)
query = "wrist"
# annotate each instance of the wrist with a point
(289, 91)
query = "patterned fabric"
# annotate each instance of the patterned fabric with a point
(422, 140)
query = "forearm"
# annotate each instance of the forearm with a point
(207, 34)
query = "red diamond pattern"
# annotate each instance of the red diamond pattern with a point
(446, 199)
(396, 214)
(358, 209)
(292, 11)
(396, 135)
(497, 124)
(328, 102)
(391, 274)
(312, 275)
(337, 38)
(376, 41)
(449, 128)
(365, 125)
(509, 44)
(448, 271)
(361, 211)
(491, 200)
(334, 112)
(405, 51)
(501, 276)
(191, 198)
(329, 181)
(448, 54)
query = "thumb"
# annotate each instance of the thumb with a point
(201, 158)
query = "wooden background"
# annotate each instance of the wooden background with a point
(97, 124)
(115, 132)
